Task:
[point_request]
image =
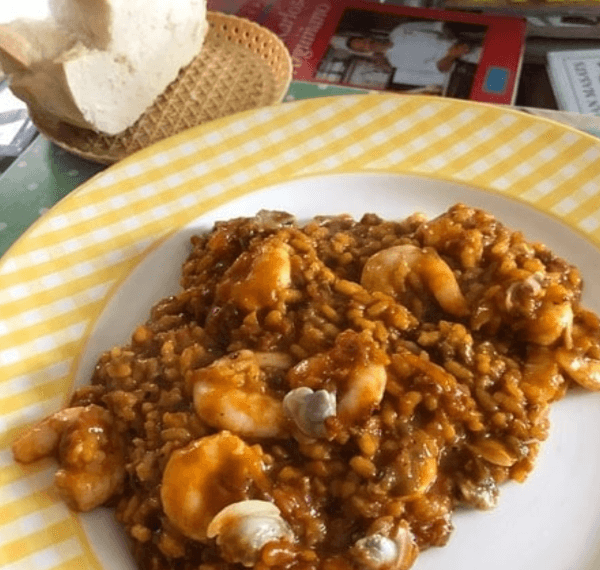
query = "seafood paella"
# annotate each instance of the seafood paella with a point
(323, 396)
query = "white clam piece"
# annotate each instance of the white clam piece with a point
(309, 409)
(242, 529)
(378, 552)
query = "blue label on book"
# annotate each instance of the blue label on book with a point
(496, 80)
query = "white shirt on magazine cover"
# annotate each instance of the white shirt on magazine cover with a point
(418, 47)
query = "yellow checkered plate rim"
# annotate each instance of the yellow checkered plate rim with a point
(58, 277)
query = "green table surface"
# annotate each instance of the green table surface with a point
(44, 173)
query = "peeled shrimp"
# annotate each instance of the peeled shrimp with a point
(88, 450)
(257, 278)
(208, 475)
(363, 392)
(542, 377)
(232, 394)
(553, 321)
(388, 271)
(354, 369)
(552, 316)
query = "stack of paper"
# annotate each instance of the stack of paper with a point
(575, 79)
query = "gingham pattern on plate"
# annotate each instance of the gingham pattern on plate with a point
(57, 278)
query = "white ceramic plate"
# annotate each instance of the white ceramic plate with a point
(88, 272)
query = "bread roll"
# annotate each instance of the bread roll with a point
(99, 64)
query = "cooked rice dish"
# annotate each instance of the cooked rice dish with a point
(324, 396)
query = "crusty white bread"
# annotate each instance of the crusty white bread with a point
(99, 64)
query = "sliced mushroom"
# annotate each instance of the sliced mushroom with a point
(583, 370)
(415, 467)
(493, 452)
(242, 530)
(275, 360)
(309, 409)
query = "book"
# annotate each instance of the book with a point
(521, 6)
(575, 79)
(565, 25)
(395, 48)
(561, 19)
(535, 89)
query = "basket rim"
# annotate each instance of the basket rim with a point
(51, 128)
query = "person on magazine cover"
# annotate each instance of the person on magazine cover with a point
(420, 52)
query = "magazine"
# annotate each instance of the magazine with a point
(395, 48)
(575, 79)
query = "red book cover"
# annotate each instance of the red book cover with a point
(386, 47)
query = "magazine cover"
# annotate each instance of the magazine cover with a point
(396, 48)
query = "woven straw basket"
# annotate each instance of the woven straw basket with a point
(241, 66)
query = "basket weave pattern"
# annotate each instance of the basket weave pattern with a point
(241, 66)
